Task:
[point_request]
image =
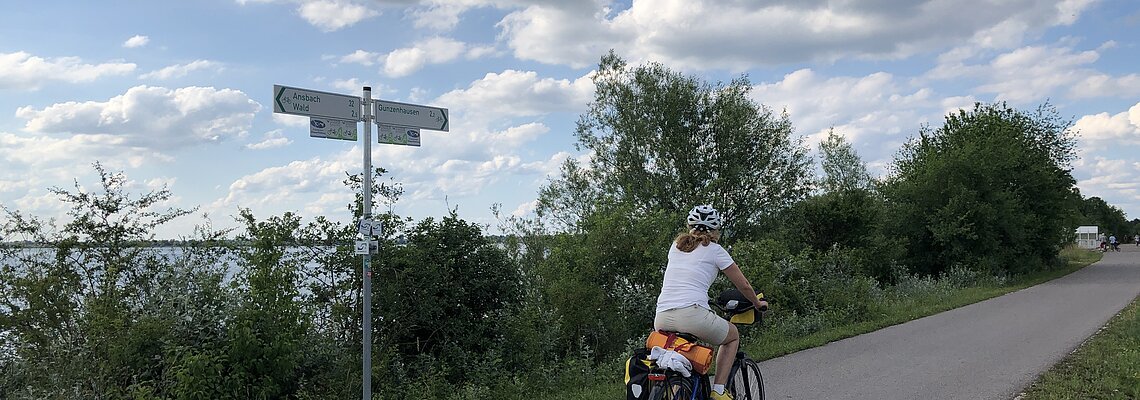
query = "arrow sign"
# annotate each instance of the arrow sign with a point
(410, 115)
(312, 103)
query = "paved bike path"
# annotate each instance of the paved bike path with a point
(987, 350)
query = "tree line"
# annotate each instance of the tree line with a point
(272, 309)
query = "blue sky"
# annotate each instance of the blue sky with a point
(180, 93)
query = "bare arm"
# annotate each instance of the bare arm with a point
(737, 278)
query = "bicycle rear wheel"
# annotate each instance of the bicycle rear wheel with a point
(747, 383)
(678, 387)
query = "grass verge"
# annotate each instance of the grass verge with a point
(605, 381)
(1107, 366)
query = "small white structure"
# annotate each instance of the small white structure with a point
(1087, 237)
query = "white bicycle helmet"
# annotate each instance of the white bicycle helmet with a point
(703, 218)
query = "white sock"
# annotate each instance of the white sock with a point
(719, 389)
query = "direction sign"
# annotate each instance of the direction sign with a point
(388, 134)
(312, 103)
(410, 115)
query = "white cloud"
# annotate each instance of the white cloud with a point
(1104, 85)
(331, 15)
(476, 52)
(181, 70)
(272, 139)
(440, 16)
(468, 177)
(1069, 10)
(562, 35)
(21, 70)
(678, 32)
(518, 135)
(746, 34)
(1099, 131)
(955, 103)
(870, 108)
(1032, 73)
(136, 41)
(438, 50)
(361, 57)
(525, 209)
(57, 159)
(1116, 181)
(313, 185)
(41, 203)
(295, 121)
(150, 117)
(514, 93)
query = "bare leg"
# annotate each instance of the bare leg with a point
(726, 354)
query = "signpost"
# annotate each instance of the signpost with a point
(335, 116)
(411, 115)
(312, 103)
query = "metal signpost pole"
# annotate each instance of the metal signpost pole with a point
(366, 343)
(334, 116)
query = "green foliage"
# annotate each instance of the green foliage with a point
(849, 219)
(603, 284)
(100, 314)
(262, 349)
(818, 289)
(77, 303)
(843, 169)
(441, 303)
(1109, 218)
(990, 189)
(664, 142)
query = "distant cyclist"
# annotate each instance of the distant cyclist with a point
(694, 260)
(1112, 243)
(1136, 239)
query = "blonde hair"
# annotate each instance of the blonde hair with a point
(688, 241)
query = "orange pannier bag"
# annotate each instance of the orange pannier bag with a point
(700, 356)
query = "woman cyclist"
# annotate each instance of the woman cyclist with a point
(694, 260)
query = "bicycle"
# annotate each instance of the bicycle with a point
(745, 381)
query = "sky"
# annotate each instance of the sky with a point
(180, 94)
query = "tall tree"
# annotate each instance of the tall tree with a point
(846, 213)
(991, 188)
(664, 142)
(842, 167)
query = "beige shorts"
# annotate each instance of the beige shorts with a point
(696, 320)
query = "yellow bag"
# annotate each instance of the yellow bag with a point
(744, 318)
(699, 356)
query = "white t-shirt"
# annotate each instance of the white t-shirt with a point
(688, 276)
